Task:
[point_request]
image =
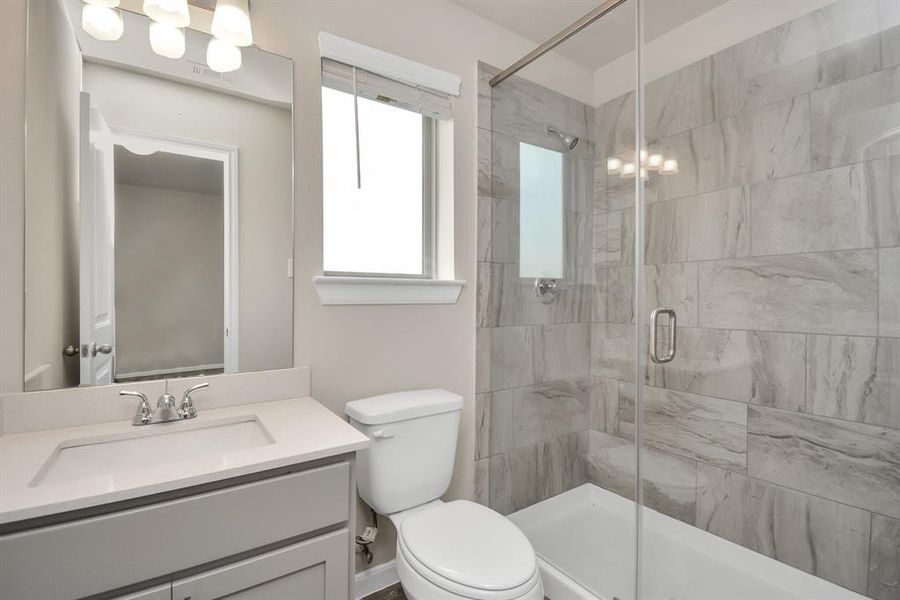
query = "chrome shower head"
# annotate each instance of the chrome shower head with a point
(570, 141)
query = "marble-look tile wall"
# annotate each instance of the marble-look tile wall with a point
(777, 426)
(533, 372)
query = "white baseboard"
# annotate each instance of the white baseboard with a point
(375, 579)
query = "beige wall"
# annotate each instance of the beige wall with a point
(357, 351)
(51, 182)
(176, 237)
(12, 194)
(136, 101)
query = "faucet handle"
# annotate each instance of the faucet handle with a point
(144, 413)
(187, 410)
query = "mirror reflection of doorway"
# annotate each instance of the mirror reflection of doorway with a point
(169, 265)
(174, 258)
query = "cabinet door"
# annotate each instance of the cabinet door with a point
(312, 570)
(162, 592)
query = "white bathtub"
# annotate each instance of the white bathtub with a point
(585, 541)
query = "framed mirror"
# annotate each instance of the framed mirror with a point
(158, 209)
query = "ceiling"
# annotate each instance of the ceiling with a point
(602, 42)
(169, 171)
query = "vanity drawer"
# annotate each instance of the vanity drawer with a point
(93, 555)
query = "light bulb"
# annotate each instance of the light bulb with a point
(670, 165)
(628, 170)
(613, 165)
(102, 22)
(222, 56)
(654, 161)
(643, 157)
(231, 22)
(166, 40)
(170, 12)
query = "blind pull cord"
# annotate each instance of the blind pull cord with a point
(356, 125)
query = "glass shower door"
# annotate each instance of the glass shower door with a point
(768, 302)
(557, 451)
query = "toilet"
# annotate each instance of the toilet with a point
(445, 550)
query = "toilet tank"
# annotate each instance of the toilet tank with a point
(410, 459)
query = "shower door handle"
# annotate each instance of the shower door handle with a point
(654, 318)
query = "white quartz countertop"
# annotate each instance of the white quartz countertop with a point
(301, 430)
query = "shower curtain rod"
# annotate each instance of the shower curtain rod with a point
(556, 40)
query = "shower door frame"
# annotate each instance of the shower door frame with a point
(640, 356)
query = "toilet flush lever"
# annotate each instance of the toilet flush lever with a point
(381, 434)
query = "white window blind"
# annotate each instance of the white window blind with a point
(429, 103)
(387, 65)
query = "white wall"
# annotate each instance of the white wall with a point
(261, 134)
(176, 237)
(357, 351)
(51, 183)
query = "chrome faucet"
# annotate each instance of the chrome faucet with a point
(144, 414)
(166, 405)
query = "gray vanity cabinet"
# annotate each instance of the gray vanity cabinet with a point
(279, 536)
(312, 570)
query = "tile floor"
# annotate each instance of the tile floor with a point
(395, 592)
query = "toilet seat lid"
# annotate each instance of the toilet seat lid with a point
(471, 545)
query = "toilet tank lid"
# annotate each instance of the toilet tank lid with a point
(400, 406)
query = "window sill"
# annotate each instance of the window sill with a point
(334, 290)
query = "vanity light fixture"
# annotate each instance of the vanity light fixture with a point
(670, 166)
(654, 161)
(231, 22)
(646, 163)
(169, 12)
(166, 40)
(222, 57)
(102, 20)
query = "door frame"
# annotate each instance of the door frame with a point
(144, 142)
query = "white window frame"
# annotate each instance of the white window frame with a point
(436, 284)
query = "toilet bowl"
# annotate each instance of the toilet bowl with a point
(464, 550)
(456, 550)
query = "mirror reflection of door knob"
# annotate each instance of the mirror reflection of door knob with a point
(102, 349)
(70, 350)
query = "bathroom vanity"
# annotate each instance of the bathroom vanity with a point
(171, 266)
(264, 511)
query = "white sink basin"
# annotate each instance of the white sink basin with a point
(154, 446)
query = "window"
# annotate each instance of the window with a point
(387, 154)
(541, 212)
(382, 224)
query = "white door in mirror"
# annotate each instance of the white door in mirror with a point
(96, 260)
